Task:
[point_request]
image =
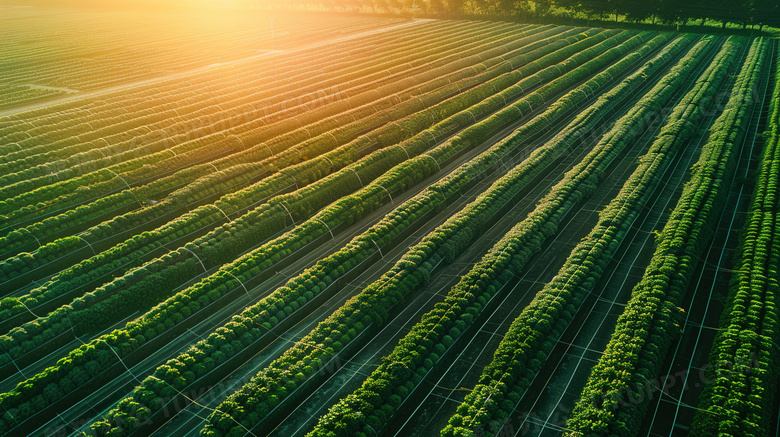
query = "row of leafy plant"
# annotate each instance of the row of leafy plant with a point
(532, 335)
(332, 215)
(248, 407)
(241, 89)
(612, 400)
(210, 289)
(372, 406)
(157, 278)
(178, 51)
(199, 95)
(285, 116)
(741, 398)
(424, 51)
(424, 111)
(66, 113)
(224, 181)
(66, 124)
(107, 261)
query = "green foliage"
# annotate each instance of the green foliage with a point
(743, 360)
(614, 399)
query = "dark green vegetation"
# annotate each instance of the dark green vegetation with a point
(328, 227)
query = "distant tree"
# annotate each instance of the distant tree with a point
(766, 12)
(543, 7)
(574, 5)
(507, 6)
(641, 10)
(599, 7)
(455, 7)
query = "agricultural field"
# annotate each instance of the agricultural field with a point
(304, 223)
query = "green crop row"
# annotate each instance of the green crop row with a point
(326, 271)
(372, 306)
(429, 108)
(420, 350)
(742, 368)
(428, 56)
(530, 338)
(348, 208)
(157, 278)
(652, 318)
(150, 166)
(58, 144)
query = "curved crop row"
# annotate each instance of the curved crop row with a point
(287, 115)
(227, 242)
(743, 364)
(277, 103)
(384, 132)
(652, 317)
(525, 346)
(177, 46)
(145, 111)
(374, 304)
(381, 127)
(419, 351)
(235, 176)
(68, 124)
(31, 390)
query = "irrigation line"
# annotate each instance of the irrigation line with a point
(331, 164)
(513, 106)
(425, 107)
(406, 151)
(286, 173)
(88, 244)
(18, 369)
(428, 131)
(378, 248)
(129, 189)
(473, 117)
(288, 212)
(337, 142)
(328, 227)
(434, 160)
(388, 194)
(205, 270)
(358, 176)
(243, 146)
(39, 241)
(760, 109)
(239, 281)
(223, 212)
(271, 153)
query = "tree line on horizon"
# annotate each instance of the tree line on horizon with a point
(669, 12)
(684, 12)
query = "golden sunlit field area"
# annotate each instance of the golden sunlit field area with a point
(229, 221)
